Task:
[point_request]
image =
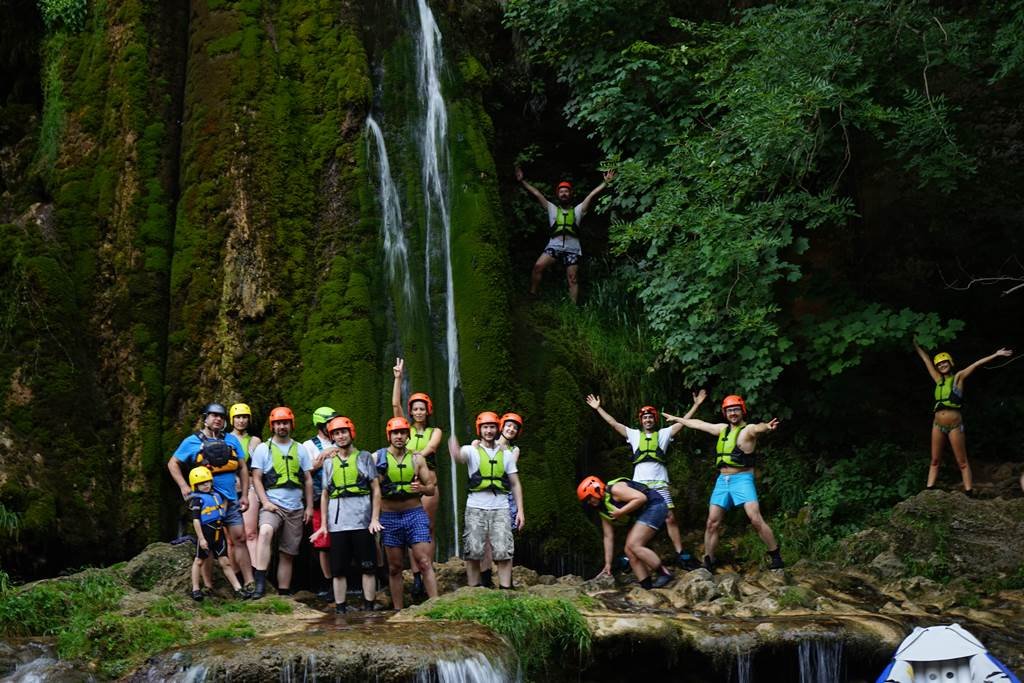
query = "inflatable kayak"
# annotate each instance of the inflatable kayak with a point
(944, 654)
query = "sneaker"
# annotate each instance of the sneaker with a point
(198, 595)
(661, 581)
(324, 596)
(284, 592)
(243, 594)
(687, 561)
(709, 563)
(340, 608)
(370, 605)
(776, 560)
(250, 587)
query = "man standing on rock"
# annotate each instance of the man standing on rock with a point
(735, 460)
(649, 446)
(564, 224)
(281, 470)
(404, 477)
(224, 455)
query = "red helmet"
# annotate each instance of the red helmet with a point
(422, 397)
(281, 414)
(486, 417)
(734, 400)
(342, 422)
(591, 487)
(647, 409)
(395, 424)
(513, 417)
(565, 184)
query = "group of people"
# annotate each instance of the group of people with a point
(243, 494)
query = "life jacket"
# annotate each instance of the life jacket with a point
(216, 455)
(246, 440)
(608, 504)
(346, 479)
(565, 222)
(318, 475)
(496, 480)
(417, 442)
(287, 470)
(729, 453)
(648, 449)
(947, 396)
(396, 477)
(214, 507)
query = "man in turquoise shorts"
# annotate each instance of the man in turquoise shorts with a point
(735, 459)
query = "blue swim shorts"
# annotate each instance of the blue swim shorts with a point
(405, 528)
(734, 490)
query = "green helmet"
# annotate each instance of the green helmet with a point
(323, 415)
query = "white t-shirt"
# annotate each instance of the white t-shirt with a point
(649, 470)
(488, 500)
(567, 243)
(350, 513)
(285, 498)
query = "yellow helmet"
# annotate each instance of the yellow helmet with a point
(198, 475)
(939, 357)
(239, 409)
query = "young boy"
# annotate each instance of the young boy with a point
(492, 476)
(208, 509)
(350, 508)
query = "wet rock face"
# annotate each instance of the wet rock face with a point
(341, 651)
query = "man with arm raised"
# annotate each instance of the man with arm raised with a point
(735, 458)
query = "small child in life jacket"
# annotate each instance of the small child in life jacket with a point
(208, 509)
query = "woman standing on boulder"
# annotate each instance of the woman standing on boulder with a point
(948, 422)
(424, 441)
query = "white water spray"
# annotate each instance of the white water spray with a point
(395, 246)
(433, 140)
(475, 669)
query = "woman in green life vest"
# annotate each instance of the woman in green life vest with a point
(424, 440)
(241, 418)
(948, 421)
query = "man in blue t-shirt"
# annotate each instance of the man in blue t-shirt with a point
(224, 455)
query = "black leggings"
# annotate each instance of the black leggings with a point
(347, 546)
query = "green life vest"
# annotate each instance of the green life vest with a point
(947, 396)
(729, 453)
(245, 447)
(565, 222)
(346, 479)
(417, 442)
(609, 505)
(648, 449)
(287, 472)
(495, 479)
(396, 477)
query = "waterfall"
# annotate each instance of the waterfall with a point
(820, 661)
(433, 142)
(744, 667)
(393, 232)
(475, 669)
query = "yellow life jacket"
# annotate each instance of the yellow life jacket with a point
(419, 441)
(729, 453)
(396, 477)
(565, 222)
(947, 395)
(648, 449)
(287, 470)
(346, 479)
(495, 479)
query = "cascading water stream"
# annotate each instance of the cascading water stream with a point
(433, 143)
(395, 246)
(820, 661)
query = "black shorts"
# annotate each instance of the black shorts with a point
(349, 546)
(566, 258)
(217, 540)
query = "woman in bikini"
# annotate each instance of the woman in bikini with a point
(948, 422)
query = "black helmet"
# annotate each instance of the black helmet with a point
(215, 408)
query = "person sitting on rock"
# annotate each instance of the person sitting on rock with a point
(404, 477)
(493, 474)
(735, 460)
(281, 469)
(424, 440)
(225, 457)
(948, 421)
(649, 446)
(624, 501)
(350, 508)
(320, 447)
(564, 221)
(208, 509)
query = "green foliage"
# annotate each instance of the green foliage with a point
(9, 523)
(56, 606)
(115, 641)
(236, 629)
(266, 606)
(69, 14)
(541, 630)
(732, 139)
